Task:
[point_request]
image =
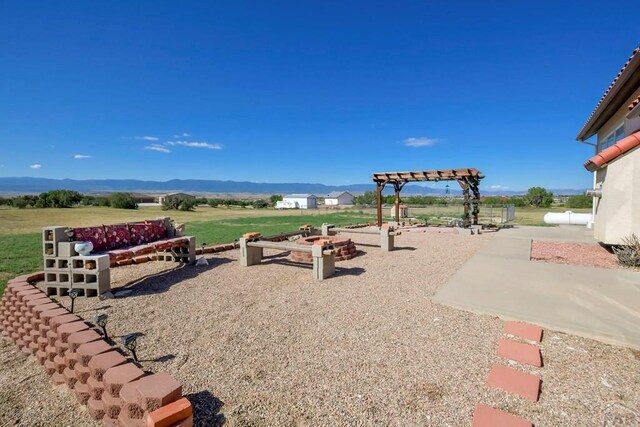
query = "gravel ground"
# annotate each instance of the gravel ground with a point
(590, 255)
(268, 346)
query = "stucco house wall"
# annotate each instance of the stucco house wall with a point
(617, 211)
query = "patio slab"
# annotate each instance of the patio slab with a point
(597, 303)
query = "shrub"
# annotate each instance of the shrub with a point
(179, 203)
(629, 252)
(122, 201)
(260, 204)
(19, 202)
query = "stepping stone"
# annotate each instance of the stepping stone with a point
(520, 352)
(486, 416)
(523, 330)
(513, 381)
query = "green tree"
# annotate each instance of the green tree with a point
(275, 198)
(368, 198)
(580, 201)
(122, 201)
(539, 197)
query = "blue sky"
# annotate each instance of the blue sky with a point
(311, 91)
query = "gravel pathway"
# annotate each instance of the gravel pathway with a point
(586, 254)
(268, 346)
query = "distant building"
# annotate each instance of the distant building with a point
(300, 201)
(338, 198)
(143, 198)
(616, 163)
(170, 196)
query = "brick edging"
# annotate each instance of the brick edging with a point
(115, 389)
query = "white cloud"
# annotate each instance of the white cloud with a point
(184, 135)
(35, 166)
(147, 138)
(420, 142)
(498, 187)
(196, 144)
(157, 147)
(82, 156)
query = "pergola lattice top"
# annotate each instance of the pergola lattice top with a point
(432, 175)
(468, 179)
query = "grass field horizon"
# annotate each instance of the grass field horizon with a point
(21, 250)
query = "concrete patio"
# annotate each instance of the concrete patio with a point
(500, 279)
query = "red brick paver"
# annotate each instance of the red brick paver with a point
(520, 352)
(511, 380)
(530, 332)
(486, 416)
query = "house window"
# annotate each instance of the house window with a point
(612, 138)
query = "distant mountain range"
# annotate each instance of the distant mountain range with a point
(24, 185)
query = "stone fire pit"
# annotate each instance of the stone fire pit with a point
(344, 247)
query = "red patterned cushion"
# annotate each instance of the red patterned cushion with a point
(158, 230)
(117, 235)
(140, 233)
(94, 235)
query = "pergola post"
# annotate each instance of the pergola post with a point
(475, 201)
(379, 188)
(398, 188)
(464, 184)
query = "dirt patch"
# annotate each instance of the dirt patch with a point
(584, 254)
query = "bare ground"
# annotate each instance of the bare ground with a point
(268, 346)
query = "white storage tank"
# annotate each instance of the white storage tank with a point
(568, 217)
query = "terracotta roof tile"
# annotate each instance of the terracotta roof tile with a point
(609, 154)
(613, 83)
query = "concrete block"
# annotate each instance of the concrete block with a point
(61, 320)
(67, 249)
(46, 316)
(88, 350)
(78, 338)
(82, 393)
(70, 377)
(66, 330)
(82, 373)
(157, 390)
(249, 255)
(130, 409)
(96, 388)
(115, 378)
(95, 408)
(100, 363)
(112, 405)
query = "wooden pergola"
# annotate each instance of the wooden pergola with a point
(468, 179)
